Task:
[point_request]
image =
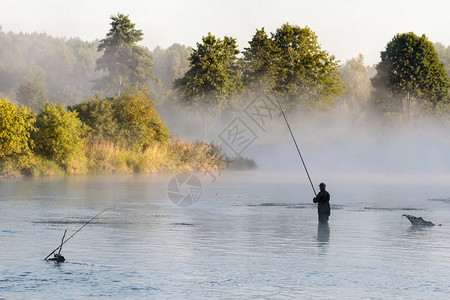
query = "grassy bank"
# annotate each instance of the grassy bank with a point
(106, 157)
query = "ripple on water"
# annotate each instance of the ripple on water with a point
(182, 224)
(393, 208)
(445, 200)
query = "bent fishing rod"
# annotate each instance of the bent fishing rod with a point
(296, 146)
(63, 242)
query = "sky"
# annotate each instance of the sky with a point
(344, 28)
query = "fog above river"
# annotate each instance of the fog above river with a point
(336, 142)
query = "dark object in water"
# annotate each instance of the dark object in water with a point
(418, 221)
(65, 241)
(58, 258)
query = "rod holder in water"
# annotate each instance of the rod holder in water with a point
(62, 243)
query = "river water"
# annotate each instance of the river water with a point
(251, 235)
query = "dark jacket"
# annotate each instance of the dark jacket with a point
(323, 200)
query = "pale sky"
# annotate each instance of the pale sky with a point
(344, 28)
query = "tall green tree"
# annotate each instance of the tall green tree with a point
(292, 64)
(124, 62)
(259, 60)
(16, 123)
(410, 73)
(305, 74)
(213, 77)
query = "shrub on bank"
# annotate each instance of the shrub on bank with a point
(43, 167)
(16, 123)
(139, 125)
(130, 120)
(59, 134)
(194, 156)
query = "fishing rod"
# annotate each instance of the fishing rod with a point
(62, 243)
(295, 142)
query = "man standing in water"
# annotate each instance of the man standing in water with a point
(323, 203)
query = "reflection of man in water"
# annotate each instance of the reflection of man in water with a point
(323, 203)
(323, 233)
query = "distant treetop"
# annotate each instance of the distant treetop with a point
(125, 63)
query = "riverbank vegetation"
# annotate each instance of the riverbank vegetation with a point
(81, 140)
(69, 106)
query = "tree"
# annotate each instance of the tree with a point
(293, 65)
(410, 73)
(171, 63)
(355, 77)
(98, 115)
(130, 120)
(259, 60)
(59, 133)
(125, 63)
(307, 75)
(66, 65)
(16, 123)
(139, 125)
(83, 71)
(444, 56)
(213, 77)
(31, 93)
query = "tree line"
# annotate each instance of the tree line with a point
(100, 135)
(412, 72)
(411, 79)
(35, 67)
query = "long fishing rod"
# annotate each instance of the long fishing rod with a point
(295, 142)
(62, 243)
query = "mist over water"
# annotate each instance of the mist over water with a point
(333, 142)
(252, 234)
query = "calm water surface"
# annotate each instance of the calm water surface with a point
(250, 236)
